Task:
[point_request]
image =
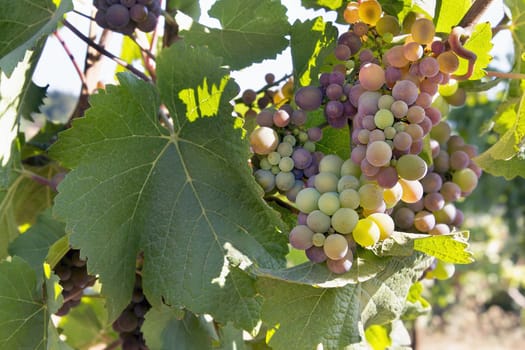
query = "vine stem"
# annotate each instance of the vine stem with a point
(474, 13)
(39, 179)
(105, 52)
(510, 75)
(72, 58)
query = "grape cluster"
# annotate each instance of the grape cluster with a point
(452, 176)
(124, 16)
(338, 209)
(284, 150)
(392, 92)
(74, 278)
(130, 321)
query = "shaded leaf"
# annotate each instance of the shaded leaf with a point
(252, 30)
(188, 7)
(23, 24)
(33, 246)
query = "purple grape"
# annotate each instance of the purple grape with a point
(351, 40)
(316, 254)
(315, 134)
(334, 109)
(309, 98)
(450, 191)
(334, 91)
(432, 182)
(387, 177)
(265, 118)
(302, 158)
(342, 52)
(404, 218)
(299, 117)
(149, 24)
(128, 3)
(117, 16)
(433, 201)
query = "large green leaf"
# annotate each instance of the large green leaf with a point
(24, 309)
(323, 4)
(189, 7)
(186, 199)
(23, 24)
(252, 30)
(311, 41)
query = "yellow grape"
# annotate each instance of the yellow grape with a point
(370, 11)
(385, 224)
(412, 190)
(449, 88)
(393, 195)
(423, 31)
(366, 232)
(351, 12)
(448, 62)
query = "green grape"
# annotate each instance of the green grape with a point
(286, 164)
(366, 232)
(273, 158)
(290, 139)
(388, 24)
(300, 237)
(384, 222)
(346, 182)
(443, 270)
(344, 220)
(318, 239)
(383, 118)
(326, 182)
(328, 203)
(411, 167)
(264, 140)
(349, 198)
(285, 149)
(446, 215)
(350, 168)
(266, 179)
(309, 146)
(335, 246)
(371, 196)
(302, 137)
(449, 88)
(265, 164)
(390, 132)
(306, 200)
(331, 163)
(318, 221)
(385, 102)
(466, 179)
(275, 169)
(284, 180)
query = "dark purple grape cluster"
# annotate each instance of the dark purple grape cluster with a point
(124, 16)
(130, 321)
(284, 149)
(74, 278)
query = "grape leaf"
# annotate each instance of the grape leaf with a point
(366, 266)
(517, 28)
(306, 316)
(334, 141)
(33, 246)
(24, 311)
(451, 248)
(187, 200)
(311, 41)
(449, 13)
(252, 30)
(23, 24)
(416, 304)
(322, 4)
(378, 336)
(504, 158)
(165, 328)
(188, 7)
(86, 324)
(480, 43)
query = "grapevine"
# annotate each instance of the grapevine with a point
(315, 208)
